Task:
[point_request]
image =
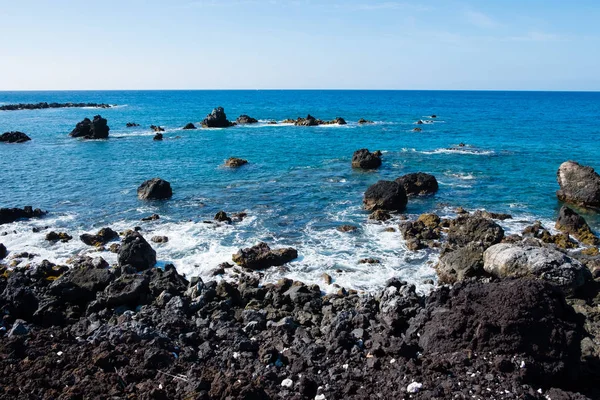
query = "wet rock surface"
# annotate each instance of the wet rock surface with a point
(14, 137)
(235, 162)
(570, 222)
(364, 159)
(136, 252)
(8, 215)
(418, 184)
(155, 189)
(91, 129)
(385, 195)
(261, 256)
(579, 185)
(245, 119)
(216, 119)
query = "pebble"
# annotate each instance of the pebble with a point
(414, 387)
(288, 383)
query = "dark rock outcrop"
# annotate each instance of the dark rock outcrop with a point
(189, 126)
(380, 215)
(579, 185)
(44, 105)
(418, 184)
(221, 216)
(157, 128)
(347, 228)
(261, 256)
(8, 215)
(308, 121)
(158, 137)
(56, 236)
(136, 251)
(571, 222)
(96, 129)
(385, 195)
(216, 119)
(131, 125)
(469, 229)
(155, 189)
(245, 119)
(14, 137)
(364, 121)
(3, 251)
(235, 162)
(460, 264)
(364, 159)
(101, 238)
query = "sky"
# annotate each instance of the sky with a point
(302, 44)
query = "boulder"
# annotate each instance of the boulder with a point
(571, 222)
(347, 228)
(261, 256)
(216, 119)
(221, 216)
(8, 215)
(152, 217)
(155, 189)
(418, 184)
(158, 137)
(308, 121)
(56, 236)
(14, 137)
(245, 119)
(3, 251)
(380, 215)
(136, 251)
(364, 159)
(523, 319)
(189, 126)
(101, 238)
(469, 229)
(519, 260)
(364, 121)
(338, 121)
(579, 185)
(385, 195)
(464, 262)
(234, 162)
(157, 128)
(417, 129)
(96, 129)
(159, 239)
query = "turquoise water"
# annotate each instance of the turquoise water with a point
(298, 186)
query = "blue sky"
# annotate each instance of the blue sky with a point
(229, 44)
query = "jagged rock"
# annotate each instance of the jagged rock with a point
(571, 222)
(245, 119)
(152, 217)
(221, 216)
(189, 126)
(385, 195)
(157, 129)
(14, 137)
(261, 256)
(561, 240)
(8, 215)
(216, 119)
(469, 229)
(418, 184)
(364, 159)
(369, 260)
(491, 215)
(131, 125)
(96, 129)
(56, 236)
(380, 215)
(155, 189)
(3, 251)
(136, 251)
(234, 162)
(464, 262)
(101, 238)
(158, 137)
(347, 228)
(579, 185)
(517, 260)
(308, 121)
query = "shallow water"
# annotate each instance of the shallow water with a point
(298, 186)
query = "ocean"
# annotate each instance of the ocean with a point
(298, 186)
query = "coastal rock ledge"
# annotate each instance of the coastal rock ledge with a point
(579, 185)
(261, 256)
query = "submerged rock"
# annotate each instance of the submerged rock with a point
(101, 238)
(14, 137)
(517, 260)
(261, 256)
(364, 159)
(235, 162)
(385, 195)
(579, 185)
(155, 189)
(96, 129)
(364, 121)
(245, 119)
(571, 222)
(189, 126)
(152, 217)
(8, 215)
(418, 184)
(136, 251)
(216, 119)
(157, 128)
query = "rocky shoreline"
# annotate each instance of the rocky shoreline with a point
(44, 105)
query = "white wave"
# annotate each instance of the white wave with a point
(462, 176)
(467, 151)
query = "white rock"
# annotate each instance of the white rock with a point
(236, 355)
(288, 383)
(320, 397)
(414, 387)
(60, 353)
(345, 366)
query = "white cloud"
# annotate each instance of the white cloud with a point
(481, 20)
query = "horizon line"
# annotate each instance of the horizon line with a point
(303, 89)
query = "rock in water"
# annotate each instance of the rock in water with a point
(364, 121)
(157, 128)
(131, 125)
(506, 260)
(364, 159)
(235, 162)
(221, 216)
(418, 184)
(56, 236)
(571, 222)
(14, 137)
(308, 121)
(3, 251)
(189, 126)
(96, 129)
(136, 251)
(245, 119)
(512, 317)
(103, 236)
(385, 195)
(216, 119)
(261, 256)
(579, 185)
(8, 215)
(155, 189)
(158, 137)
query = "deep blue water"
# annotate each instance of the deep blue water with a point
(298, 186)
